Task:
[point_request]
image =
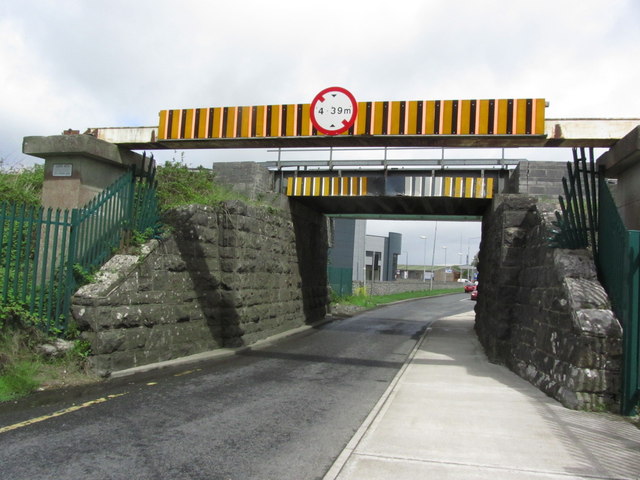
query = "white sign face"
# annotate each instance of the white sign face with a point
(62, 169)
(333, 110)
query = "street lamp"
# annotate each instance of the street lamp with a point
(445, 263)
(424, 259)
(433, 255)
(406, 267)
(468, 248)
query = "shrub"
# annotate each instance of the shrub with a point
(21, 186)
(180, 185)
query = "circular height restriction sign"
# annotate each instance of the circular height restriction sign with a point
(333, 110)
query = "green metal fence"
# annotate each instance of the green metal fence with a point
(340, 281)
(43, 250)
(576, 223)
(619, 267)
(589, 218)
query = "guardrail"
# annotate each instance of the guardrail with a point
(384, 163)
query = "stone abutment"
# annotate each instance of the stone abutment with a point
(224, 277)
(542, 312)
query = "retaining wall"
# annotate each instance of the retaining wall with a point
(225, 277)
(542, 312)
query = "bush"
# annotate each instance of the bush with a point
(21, 186)
(179, 185)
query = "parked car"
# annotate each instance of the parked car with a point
(474, 294)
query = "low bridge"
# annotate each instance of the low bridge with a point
(409, 188)
(539, 346)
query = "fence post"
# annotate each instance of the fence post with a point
(631, 331)
(69, 279)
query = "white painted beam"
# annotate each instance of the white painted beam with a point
(560, 132)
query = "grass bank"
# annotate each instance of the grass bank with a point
(372, 301)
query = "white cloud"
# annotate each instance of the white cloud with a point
(71, 63)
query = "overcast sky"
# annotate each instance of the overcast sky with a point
(79, 64)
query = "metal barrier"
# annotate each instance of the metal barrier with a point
(340, 281)
(589, 218)
(43, 251)
(619, 266)
(577, 222)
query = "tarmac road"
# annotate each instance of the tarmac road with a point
(284, 411)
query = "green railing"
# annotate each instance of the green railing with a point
(589, 218)
(576, 223)
(340, 281)
(42, 250)
(619, 267)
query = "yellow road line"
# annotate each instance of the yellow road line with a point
(187, 372)
(74, 408)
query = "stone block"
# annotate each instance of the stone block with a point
(108, 342)
(597, 322)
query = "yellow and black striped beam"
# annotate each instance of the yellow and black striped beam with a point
(326, 186)
(511, 117)
(415, 186)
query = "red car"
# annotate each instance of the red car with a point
(474, 294)
(469, 287)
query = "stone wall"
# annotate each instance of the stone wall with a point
(225, 277)
(538, 178)
(401, 286)
(250, 179)
(542, 312)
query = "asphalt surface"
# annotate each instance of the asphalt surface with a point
(285, 411)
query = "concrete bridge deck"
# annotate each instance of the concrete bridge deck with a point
(560, 132)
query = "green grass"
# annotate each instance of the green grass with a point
(376, 300)
(180, 185)
(23, 369)
(18, 380)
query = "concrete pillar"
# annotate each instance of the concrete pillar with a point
(78, 167)
(622, 162)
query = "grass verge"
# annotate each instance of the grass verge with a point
(24, 369)
(372, 301)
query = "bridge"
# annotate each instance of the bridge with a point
(415, 191)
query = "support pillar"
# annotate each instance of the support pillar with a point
(78, 167)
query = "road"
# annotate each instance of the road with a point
(284, 411)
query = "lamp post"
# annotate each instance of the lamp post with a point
(433, 255)
(468, 248)
(406, 267)
(445, 263)
(424, 259)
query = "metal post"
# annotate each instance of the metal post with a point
(424, 260)
(433, 254)
(407, 264)
(445, 263)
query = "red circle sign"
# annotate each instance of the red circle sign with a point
(333, 110)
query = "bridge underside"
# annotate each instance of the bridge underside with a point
(399, 207)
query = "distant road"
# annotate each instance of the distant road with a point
(282, 412)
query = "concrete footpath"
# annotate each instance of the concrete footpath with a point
(450, 414)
